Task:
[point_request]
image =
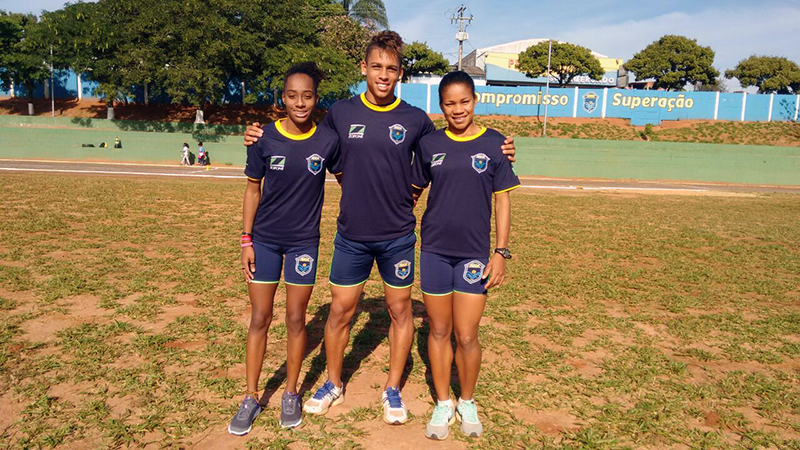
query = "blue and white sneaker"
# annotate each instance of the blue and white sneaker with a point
(242, 422)
(394, 411)
(467, 413)
(326, 396)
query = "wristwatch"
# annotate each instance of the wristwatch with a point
(504, 252)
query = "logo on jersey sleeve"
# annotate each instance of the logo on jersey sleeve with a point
(277, 162)
(480, 162)
(303, 265)
(315, 163)
(402, 269)
(397, 133)
(438, 159)
(357, 131)
(473, 271)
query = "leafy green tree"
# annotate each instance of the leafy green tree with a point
(567, 62)
(673, 62)
(770, 74)
(24, 55)
(419, 58)
(340, 32)
(369, 12)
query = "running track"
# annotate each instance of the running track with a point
(528, 183)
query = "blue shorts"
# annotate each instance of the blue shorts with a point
(443, 275)
(299, 264)
(352, 261)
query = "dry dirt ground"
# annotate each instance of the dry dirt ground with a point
(627, 321)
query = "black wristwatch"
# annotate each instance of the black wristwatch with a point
(504, 252)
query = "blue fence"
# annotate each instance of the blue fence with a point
(641, 107)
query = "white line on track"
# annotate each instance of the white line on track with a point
(201, 175)
(110, 163)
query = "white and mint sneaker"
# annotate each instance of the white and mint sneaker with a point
(439, 426)
(467, 413)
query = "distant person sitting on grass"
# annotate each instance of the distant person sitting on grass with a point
(201, 154)
(185, 159)
(117, 143)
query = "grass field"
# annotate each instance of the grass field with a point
(638, 321)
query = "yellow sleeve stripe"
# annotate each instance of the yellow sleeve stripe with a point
(415, 186)
(337, 173)
(509, 189)
(257, 180)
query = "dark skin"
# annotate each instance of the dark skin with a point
(300, 97)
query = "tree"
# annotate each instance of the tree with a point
(369, 12)
(673, 62)
(771, 74)
(24, 56)
(567, 62)
(340, 32)
(419, 58)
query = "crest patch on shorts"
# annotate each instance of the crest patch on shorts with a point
(402, 269)
(303, 265)
(473, 271)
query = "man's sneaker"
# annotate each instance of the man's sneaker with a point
(394, 411)
(242, 422)
(467, 413)
(291, 414)
(439, 426)
(326, 396)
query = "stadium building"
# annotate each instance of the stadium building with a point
(497, 66)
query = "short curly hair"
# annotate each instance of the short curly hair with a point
(306, 68)
(387, 41)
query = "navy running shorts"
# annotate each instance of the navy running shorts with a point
(352, 261)
(443, 275)
(299, 263)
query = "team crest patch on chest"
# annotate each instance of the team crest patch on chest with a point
(437, 159)
(277, 162)
(480, 162)
(473, 271)
(397, 133)
(303, 265)
(315, 163)
(402, 269)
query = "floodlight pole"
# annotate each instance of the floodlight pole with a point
(52, 83)
(462, 35)
(547, 90)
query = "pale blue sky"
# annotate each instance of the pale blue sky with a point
(735, 29)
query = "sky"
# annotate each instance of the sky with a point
(734, 29)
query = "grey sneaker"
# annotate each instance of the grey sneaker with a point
(242, 422)
(439, 426)
(467, 413)
(291, 410)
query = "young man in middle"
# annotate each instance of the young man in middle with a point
(378, 137)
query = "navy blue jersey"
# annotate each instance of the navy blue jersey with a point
(293, 169)
(464, 173)
(377, 147)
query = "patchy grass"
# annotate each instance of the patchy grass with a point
(627, 321)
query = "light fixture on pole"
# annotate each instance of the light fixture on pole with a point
(52, 85)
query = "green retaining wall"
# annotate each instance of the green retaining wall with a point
(161, 142)
(583, 158)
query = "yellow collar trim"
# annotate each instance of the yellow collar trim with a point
(386, 108)
(294, 137)
(464, 138)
